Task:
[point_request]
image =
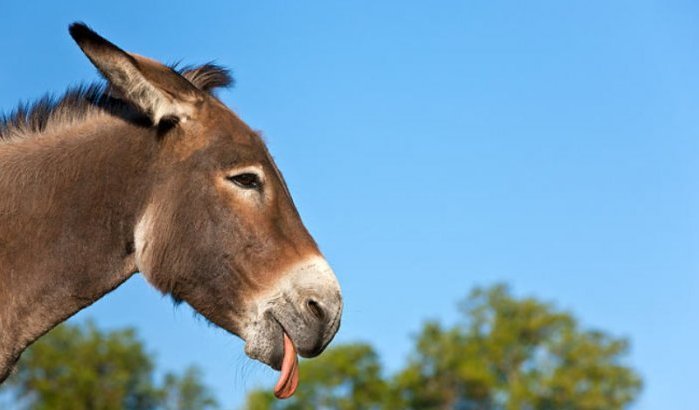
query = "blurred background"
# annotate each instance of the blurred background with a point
(506, 190)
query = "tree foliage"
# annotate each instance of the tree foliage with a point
(80, 367)
(514, 354)
(505, 354)
(186, 392)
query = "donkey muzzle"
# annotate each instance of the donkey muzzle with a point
(306, 304)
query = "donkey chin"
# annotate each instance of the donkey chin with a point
(300, 315)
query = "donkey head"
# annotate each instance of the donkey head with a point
(218, 228)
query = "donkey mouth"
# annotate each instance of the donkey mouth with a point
(272, 345)
(289, 377)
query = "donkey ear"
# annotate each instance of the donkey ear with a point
(152, 87)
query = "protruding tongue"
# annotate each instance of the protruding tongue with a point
(289, 378)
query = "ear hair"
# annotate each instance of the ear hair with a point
(208, 77)
(152, 87)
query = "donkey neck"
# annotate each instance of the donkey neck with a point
(69, 201)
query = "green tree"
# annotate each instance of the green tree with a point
(80, 367)
(513, 354)
(347, 377)
(505, 354)
(187, 392)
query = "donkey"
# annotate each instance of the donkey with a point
(151, 173)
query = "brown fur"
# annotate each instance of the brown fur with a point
(78, 174)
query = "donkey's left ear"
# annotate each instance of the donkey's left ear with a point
(155, 89)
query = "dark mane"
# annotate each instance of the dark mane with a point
(86, 99)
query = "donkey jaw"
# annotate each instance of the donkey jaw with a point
(306, 305)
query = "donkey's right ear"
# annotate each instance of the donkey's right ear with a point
(155, 89)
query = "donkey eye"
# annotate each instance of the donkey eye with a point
(246, 180)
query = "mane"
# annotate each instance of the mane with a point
(79, 102)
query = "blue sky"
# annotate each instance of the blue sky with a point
(435, 146)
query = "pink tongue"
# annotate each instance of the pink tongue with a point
(289, 378)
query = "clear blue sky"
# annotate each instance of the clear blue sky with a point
(435, 146)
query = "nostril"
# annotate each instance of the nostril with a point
(315, 309)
